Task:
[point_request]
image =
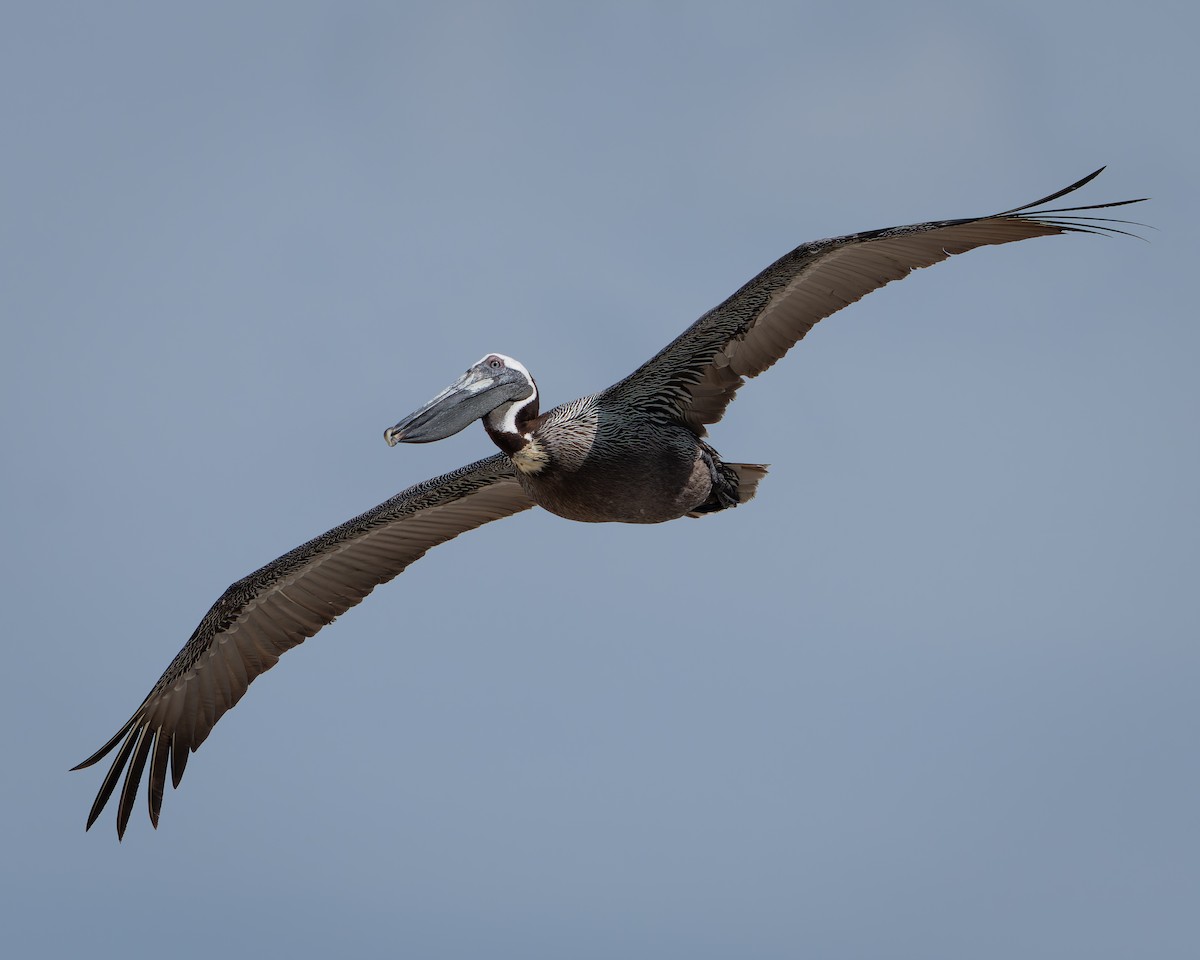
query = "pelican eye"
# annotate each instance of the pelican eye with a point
(496, 363)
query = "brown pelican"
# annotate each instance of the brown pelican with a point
(634, 453)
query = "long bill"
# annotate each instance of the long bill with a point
(475, 394)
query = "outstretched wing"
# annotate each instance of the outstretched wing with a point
(279, 606)
(696, 376)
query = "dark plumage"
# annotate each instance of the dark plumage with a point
(634, 453)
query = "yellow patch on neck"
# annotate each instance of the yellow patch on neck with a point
(531, 458)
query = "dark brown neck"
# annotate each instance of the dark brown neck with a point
(510, 443)
(509, 424)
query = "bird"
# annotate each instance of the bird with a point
(634, 453)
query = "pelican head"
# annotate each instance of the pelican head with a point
(497, 387)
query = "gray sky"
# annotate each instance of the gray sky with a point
(933, 694)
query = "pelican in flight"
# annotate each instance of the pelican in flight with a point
(634, 453)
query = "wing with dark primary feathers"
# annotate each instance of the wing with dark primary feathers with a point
(279, 606)
(696, 376)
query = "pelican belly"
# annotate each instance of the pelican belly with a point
(629, 482)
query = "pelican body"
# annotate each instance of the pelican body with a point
(599, 459)
(634, 453)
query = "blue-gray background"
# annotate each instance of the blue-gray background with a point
(933, 694)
